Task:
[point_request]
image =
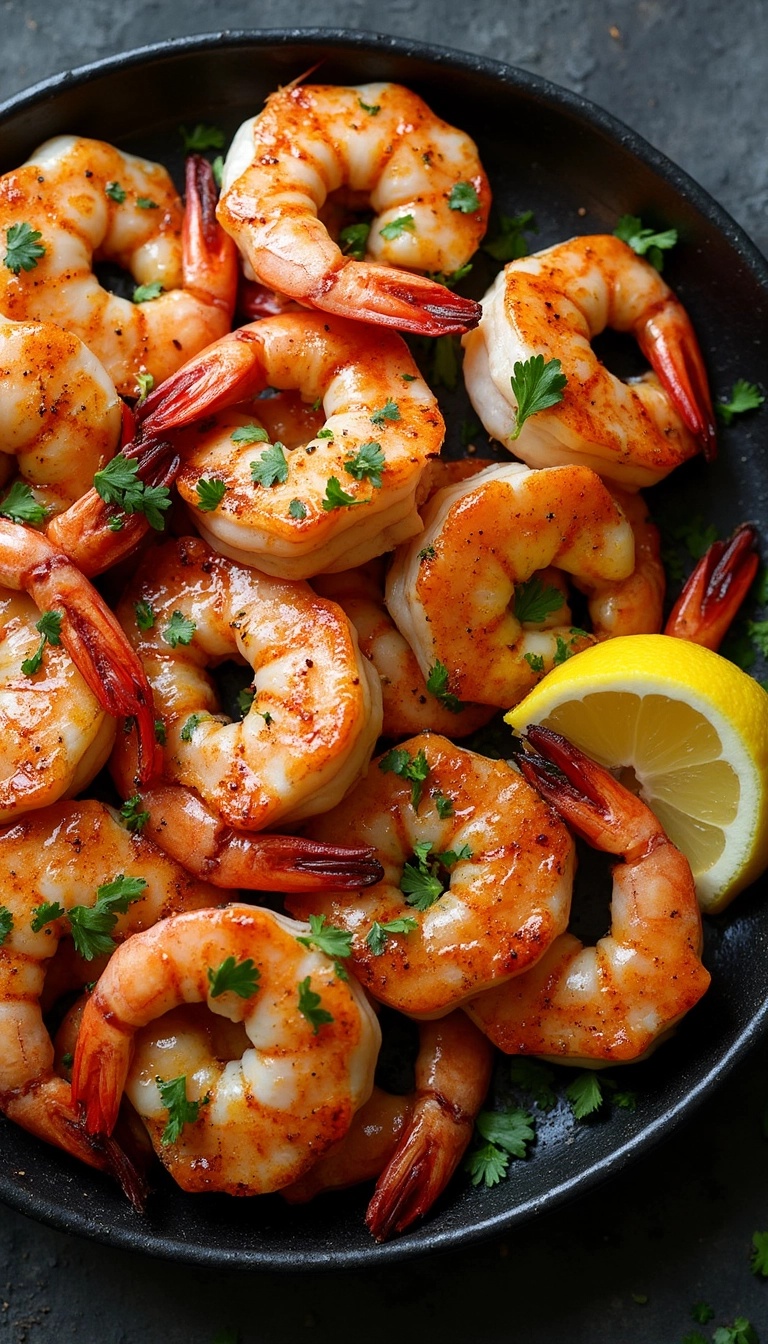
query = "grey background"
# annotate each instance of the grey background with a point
(691, 78)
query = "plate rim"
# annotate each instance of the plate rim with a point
(422, 1241)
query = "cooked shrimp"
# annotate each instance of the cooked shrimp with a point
(263, 1118)
(474, 590)
(715, 590)
(490, 889)
(409, 706)
(60, 416)
(614, 1001)
(632, 606)
(76, 199)
(414, 1142)
(383, 147)
(87, 628)
(316, 708)
(552, 304)
(60, 858)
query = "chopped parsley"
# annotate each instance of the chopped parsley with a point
(372, 109)
(389, 411)
(234, 977)
(464, 197)
(24, 248)
(427, 553)
(701, 1312)
(507, 1134)
(160, 734)
(744, 397)
(210, 493)
(92, 925)
(118, 483)
(534, 603)
(415, 769)
(200, 138)
(368, 463)
(437, 685)
(49, 628)
(536, 1079)
(146, 203)
(645, 242)
(21, 506)
(245, 700)
(181, 1112)
(379, 934)
(444, 805)
(271, 468)
(327, 938)
(249, 434)
(190, 726)
(309, 1007)
(6, 923)
(404, 224)
(353, 239)
(510, 243)
(179, 629)
(46, 914)
(741, 1332)
(537, 384)
(450, 279)
(297, 510)
(336, 498)
(145, 615)
(420, 883)
(535, 661)
(325, 433)
(131, 812)
(144, 384)
(115, 192)
(145, 293)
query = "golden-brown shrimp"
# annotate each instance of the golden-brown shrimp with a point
(552, 304)
(635, 605)
(263, 1118)
(382, 146)
(488, 890)
(415, 1142)
(316, 710)
(76, 198)
(614, 1001)
(60, 416)
(409, 706)
(474, 591)
(59, 859)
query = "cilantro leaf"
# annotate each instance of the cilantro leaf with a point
(309, 1007)
(21, 506)
(534, 603)
(245, 700)
(118, 483)
(449, 857)
(325, 433)
(146, 203)
(408, 377)
(759, 1259)
(445, 363)
(201, 137)
(626, 1100)
(92, 925)
(416, 770)
(145, 615)
(464, 197)
(701, 1312)
(744, 397)
(144, 383)
(389, 411)
(6, 923)
(585, 1094)
(145, 293)
(537, 384)
(644, 241)
(249, 434)
(404, 224)
(49, 627)
(353, 239)
(428, 553)
(511, 1130)
(562, 652)
(372, 109)
(234, 977)
(173, 1094)
(131, 812)
(535, 661)
(535, 1078)
(378, 934)
(271, 466)
(24, 248)
(336, 498)
(217, 168)
(297, 510)
(327, 938)
(190, 726)
(210, 493)
(419, 883)
(179, 629)
(741, 1332)
(444, 806)
(437, 685)
(450, 278)
(115, 192)
(368, 463)
(160, 734)
(510, 243)
(46, 914)
(487, 1164)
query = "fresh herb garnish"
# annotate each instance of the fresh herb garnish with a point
(115, 192)
(145, 615)
(534, 603)
(506, 1134)
(645, 242)
(758, 1262)
(49, 627)
(309, 1007)
(146, 203)
(534, 1078)
(327, 938)
(297, 510)
(535, 661)
(437, 685)
(181, 1112)
(464, 197)
(92, 925)
(249, 434)
(217, 168)
(444, 806)
(336, 498)
(744, 397)
(389, 411)
(379, 934)
(701, 1312)
(368, 463)
(200, 138)
(21, 506)
(46, 913)
(179, 629)
(404, 224)
(537, 384)
(445, 363)
(416, 770)
(132, 814)
(234, 977)
(353, 239)
(271, 467)
(190, 726)
(144, 384)
(6, 923)
(24, 248)
(372, 109)
(210, 493)
(118, 483)
(145, 293)
(510, 243)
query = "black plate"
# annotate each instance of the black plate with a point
(578, 169)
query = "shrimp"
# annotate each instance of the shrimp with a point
(715, 590)
(60, 416)
(408, 704)
(413, 1143)
(486, 894)
(87, 628)
(58, 860)
(475, 591)
(635, 605)
(552, 304)
(315, 714)
(77, 199)
(615, 1001)
(382, 146)
(261, 1119)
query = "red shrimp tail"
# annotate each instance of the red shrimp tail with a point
(128, 425)
(669, 343)
(347, 867)
(225, 373)
(98, 1077)
(255, 301)
(416, 1176)
(209, 256)
(715, 590)
(385, 296)
(130, 1178)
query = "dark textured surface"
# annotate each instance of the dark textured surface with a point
(678, 1227)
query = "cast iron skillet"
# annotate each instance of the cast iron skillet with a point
(578, 169)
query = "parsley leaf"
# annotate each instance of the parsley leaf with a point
(249, 434)
(179, 629)
(487, 1164)
(368, 463)
(24, 248)
(562, 652)
(135, 819)
(741, 1332)
(336, 498)
(190, 726)
(118, 483)
(444, 806)
(160, 734)
(437, 685)
(744, 397)
(309, 1007)
(49, 627)
(327, 938)
(144, 384)
(21, 506)
(145, 293)
(353, 239)
(201, 137)
(6, 923)
(420, 884)
(464, 197)
(234, 977)
(271, 466)
(372, 109)
(428, 553)
(92, 925)
(389, 411)
(173, 1094)
(511, 1130)
(534, 603)
(534, 1078)
(585, 1094)
(46, 914)
(535, 661)
(450, 279)
(210, 493)
(644, 241)
(378, 934)
(145, 615)
(325, 433)
(701, 1312)
(115, 191)
(146, 203)
(416, 770)
(537, 384)
(510, 243)
(404, 224)
(759, 1259)
(445, 363)
(297, 510)
(449, 857)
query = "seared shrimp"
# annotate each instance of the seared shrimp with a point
(385, 150)
(409, 706)
(60, 416)
(715, 590)
(415, 1142)
(61, 859)
(475, 591)
(75, 199)
(614, 1001)
(316, 709)
(477, 874)
(552, 304)
(264, 1117)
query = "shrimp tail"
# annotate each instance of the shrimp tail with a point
(99, 1072)
(255, 301)
(131, 1180)
(45, 1110)
(715, 590)
(422, 1166)
(229, 371)
(393, 298)
(668, 341)
(209, 256)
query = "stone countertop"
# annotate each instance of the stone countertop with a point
(676, 1227)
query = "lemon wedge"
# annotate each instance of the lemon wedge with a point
(683, 728)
